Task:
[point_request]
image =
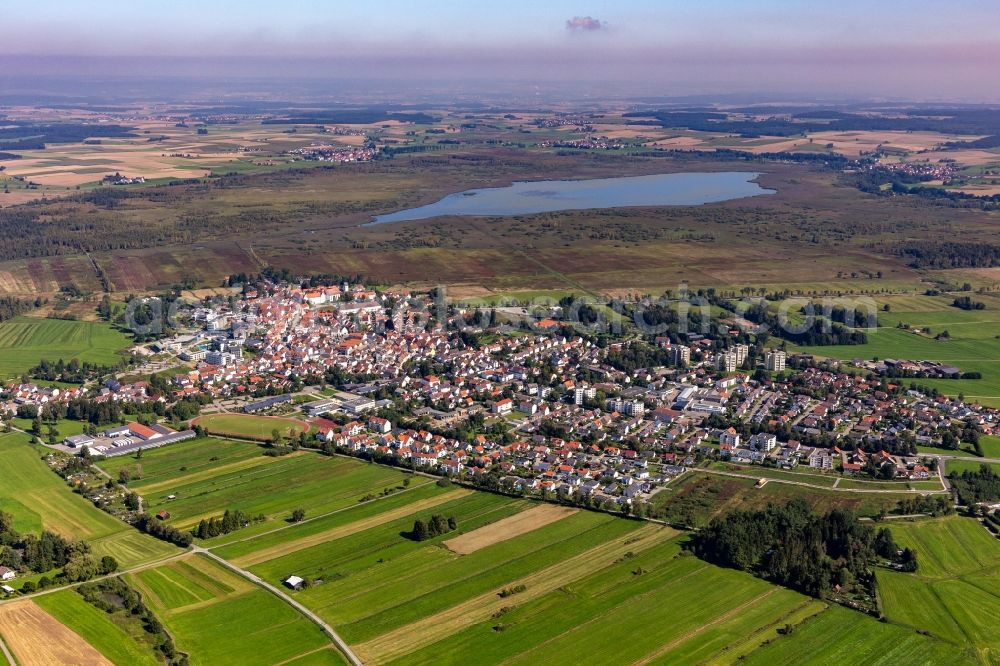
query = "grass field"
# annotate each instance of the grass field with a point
(588, 579)
(698, 497)
(27, 340)
(973, 344)
(120, 645)
(759, 471)
(208, 476)
(183, 459)
(37, 497)
(219, 617)
(38, 639)
(970, 464)
(955, 594)
(250, 425)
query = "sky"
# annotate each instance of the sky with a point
(915, 49)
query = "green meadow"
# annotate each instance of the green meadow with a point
(119, 642)
(955, 593)
(973, 344)
(218, 617)
(579, 584)
(38, 498)
(250, 425)
(243, 478)
(25, 341)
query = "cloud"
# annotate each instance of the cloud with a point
(584, 24)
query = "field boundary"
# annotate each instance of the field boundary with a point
(340, 531)
(425, 631)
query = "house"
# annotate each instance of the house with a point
(503, 406)
(294, 582)
(7, 574)
(729, 436)
(378, 424)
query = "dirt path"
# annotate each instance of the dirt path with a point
(38, 639)
(403, 640)
(508, 528)
(341, 531)
(889, 491)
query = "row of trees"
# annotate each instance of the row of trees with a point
(164, 532)
(230, 521)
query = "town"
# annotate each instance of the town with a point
(531, 406)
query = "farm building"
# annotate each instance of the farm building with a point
(294, 582)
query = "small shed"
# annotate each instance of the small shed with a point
(294, 582)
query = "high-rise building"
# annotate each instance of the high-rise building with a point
(725, 361)
(774, 360)
(680, 355)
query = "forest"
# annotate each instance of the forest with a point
(17, 135)
(982, 485)
(950, 254)
(791, 546)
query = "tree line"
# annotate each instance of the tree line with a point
(230, 521)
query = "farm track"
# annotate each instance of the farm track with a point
(278, 550)
(439, 626)
(829, 488)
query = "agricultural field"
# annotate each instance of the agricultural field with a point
(38, 498)
(519, 582)
(839, 635)
(205, 455)
(25, 341)
(119, 644)
(972, 346)
(955, 593)
(208, 476)
(250, 426)
(36, 638)
(217, 616)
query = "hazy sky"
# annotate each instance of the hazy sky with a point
(916, 48)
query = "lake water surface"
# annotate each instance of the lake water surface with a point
(544, 196)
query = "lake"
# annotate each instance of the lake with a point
(544, 196)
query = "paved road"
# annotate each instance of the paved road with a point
(278, 592)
